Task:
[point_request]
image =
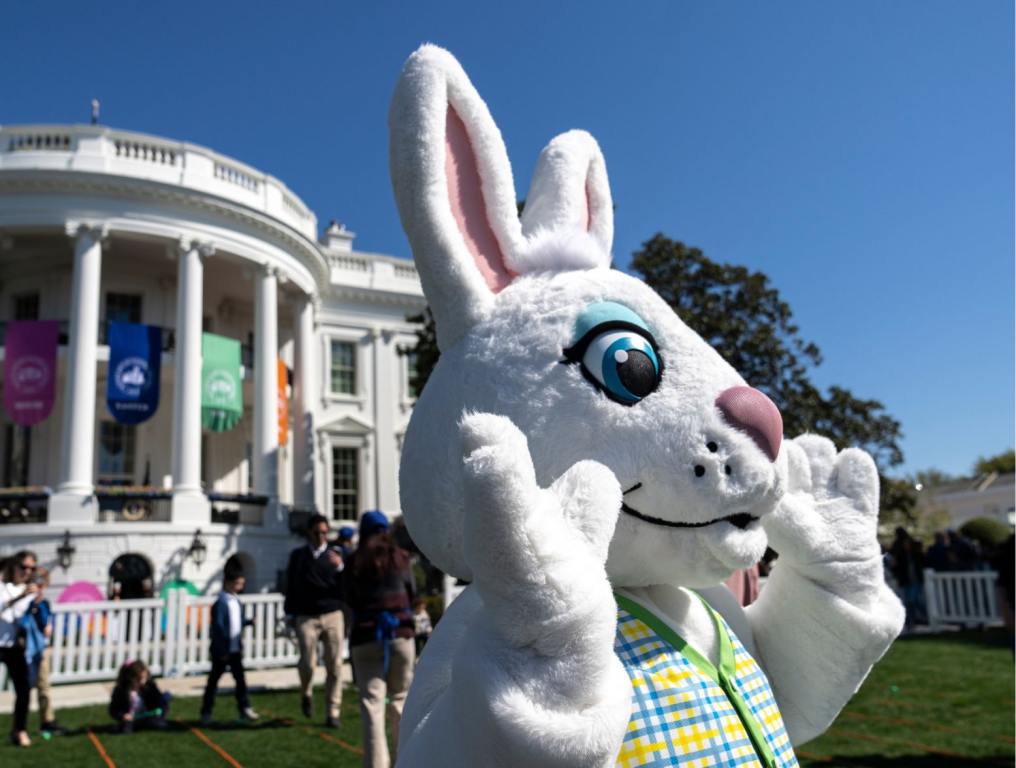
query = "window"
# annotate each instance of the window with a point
(26, 307)
(345, 483)
(412, 373)
(116, 453)
(120, 308)
(17, 448)
(343, 367)
(123, 307)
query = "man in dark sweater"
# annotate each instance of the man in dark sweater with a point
(313, 599)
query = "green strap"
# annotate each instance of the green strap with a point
(724, 676)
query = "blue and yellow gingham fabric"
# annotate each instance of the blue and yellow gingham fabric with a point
(681, 717)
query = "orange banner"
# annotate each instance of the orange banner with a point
(283, 404)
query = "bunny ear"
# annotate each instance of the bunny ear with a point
(454, 189)
(569, 194)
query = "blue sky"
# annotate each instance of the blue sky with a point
(860, 153)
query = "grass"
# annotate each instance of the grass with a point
(933, 701)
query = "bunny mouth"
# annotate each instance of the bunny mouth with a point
(739, 520)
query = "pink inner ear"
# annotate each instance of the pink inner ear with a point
(468, 207)
(589, 207)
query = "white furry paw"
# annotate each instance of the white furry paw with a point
(830, 512)
(537, 554)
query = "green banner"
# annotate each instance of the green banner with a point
(221, 387)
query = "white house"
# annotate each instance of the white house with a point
(100, 227)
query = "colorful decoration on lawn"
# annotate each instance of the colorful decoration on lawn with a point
(135, 365)
(30, 370)
(221, 385)
(596, 470)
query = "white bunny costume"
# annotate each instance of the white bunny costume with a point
(578, 449)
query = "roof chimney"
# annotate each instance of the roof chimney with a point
(337, 238)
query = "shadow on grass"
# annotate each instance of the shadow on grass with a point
(910, 761)
(983, 638)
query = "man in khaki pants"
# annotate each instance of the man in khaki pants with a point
(314, 600)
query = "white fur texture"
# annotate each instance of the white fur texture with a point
(515, 465)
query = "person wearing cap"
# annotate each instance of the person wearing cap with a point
(345, 541)
(380, 591)
(314, 601)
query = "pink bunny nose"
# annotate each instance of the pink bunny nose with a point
(751, 411)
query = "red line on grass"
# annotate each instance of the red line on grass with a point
(100, 749)
(222, 753)
(812, 756)
(340, 742)
(881, 740)
(919, 724)
(308, 730)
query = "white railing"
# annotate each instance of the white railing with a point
(91, 641)
(961, 597)
(95, 148)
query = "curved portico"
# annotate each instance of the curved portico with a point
(181, 214)
(101, 228)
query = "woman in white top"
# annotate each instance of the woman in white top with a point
(18, 591)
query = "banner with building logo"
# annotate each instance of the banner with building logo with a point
(30, 370)
(283, 403)
(221, 386)
(135, 365)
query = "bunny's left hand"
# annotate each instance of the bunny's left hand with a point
(825, 526)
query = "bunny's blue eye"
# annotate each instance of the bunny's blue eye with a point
(616, 352)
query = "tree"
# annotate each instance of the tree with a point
(1003, 463)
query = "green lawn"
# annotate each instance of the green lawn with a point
(935, 701)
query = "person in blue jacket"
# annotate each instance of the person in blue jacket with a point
(227, 647)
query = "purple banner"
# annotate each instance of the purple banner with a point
(30, 370)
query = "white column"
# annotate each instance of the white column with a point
(73, 501)
(189, 502)
(304, 381)
(266, 355)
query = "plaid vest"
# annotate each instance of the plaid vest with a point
(685, 711)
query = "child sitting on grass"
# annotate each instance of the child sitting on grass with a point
(137, 701)
(227, 647)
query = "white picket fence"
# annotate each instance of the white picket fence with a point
(961, 597)
(91, 641)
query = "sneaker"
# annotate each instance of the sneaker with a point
(331, 722)
(53, 728)
(307, 705)
(206, 718)
(250, 715)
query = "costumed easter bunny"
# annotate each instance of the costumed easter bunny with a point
(596, 470)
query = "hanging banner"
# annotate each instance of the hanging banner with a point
(221, 387)
(135, 364)
(30, 370)
(283, 407)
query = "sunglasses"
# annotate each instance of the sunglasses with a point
(24, 567)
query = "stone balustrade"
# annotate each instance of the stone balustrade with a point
(98, 149)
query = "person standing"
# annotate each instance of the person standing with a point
(17, 593)
(38, 624)
(314, 601)
(227, 648)
(380, 591)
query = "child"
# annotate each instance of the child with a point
(137, 701)
(38, 628)
(227, 648)
(423, 625)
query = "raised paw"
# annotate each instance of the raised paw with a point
(830, 510)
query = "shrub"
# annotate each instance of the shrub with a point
(987, 532)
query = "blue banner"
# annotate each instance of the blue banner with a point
(135, 357)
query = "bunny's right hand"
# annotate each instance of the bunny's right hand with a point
(537, 555)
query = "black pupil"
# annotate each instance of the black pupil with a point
(637, 373)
